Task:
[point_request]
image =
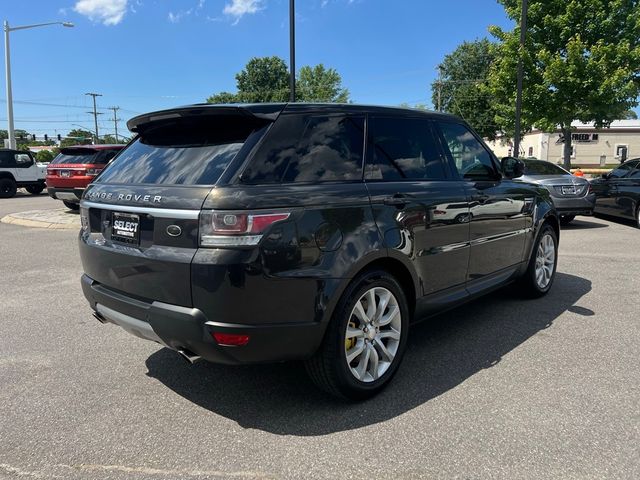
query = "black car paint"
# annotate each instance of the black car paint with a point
(284, 291)
(619, 196)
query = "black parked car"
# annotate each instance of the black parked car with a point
(264, 233)
(618, 192)
(571, 195)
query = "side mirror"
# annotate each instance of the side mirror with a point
(512, 167)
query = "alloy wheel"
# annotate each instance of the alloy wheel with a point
(372, 337)
(545, 261)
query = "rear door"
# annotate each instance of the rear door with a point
(421, 212)
(141, 214)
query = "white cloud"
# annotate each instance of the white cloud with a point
(239, 8)
(177, 16)
(109, 12)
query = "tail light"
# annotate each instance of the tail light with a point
(92, 172)
(84, 219)
(231, 229)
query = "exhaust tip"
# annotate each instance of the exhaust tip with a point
(190, 357)
(99, 317)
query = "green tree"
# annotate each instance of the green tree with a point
(77, 136)
(266, 79)
(320, 84)
(462, 86)
(581, 62)
(629, 115)
(44, 156)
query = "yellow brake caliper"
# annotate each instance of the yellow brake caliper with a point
(349, 343)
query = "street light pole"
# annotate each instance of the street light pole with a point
(292, 51)
(7, 67)
(523, 38)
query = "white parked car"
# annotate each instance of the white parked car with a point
(19, 169)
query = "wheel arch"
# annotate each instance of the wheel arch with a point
(7, 175)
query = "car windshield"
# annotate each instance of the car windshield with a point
(540, 167)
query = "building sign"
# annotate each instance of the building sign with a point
(584, 137)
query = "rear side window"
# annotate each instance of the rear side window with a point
(471, 159)
(402, 149)
(185, 153)
(309, 149)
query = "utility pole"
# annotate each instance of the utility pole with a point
(439, 88)
(95, 113)
(523, 38)
(115, 119)
(292, 51)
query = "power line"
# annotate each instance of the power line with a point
(95, 113)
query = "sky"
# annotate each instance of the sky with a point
(145, 55)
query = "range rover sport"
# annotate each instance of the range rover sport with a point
(274, 232)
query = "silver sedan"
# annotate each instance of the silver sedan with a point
(571, 195)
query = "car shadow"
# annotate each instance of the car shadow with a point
(442, 353)
(583, 225)
(617, 220)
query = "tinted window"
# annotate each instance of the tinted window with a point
(84, 156)
(402, 149)
(309, 148)
(471, 159)
(539, 167)
(624, 169)
(186, 153)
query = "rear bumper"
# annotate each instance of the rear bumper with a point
(575, 206)
(184, 328)
(68, 194)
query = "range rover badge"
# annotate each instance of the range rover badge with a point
(174, 231)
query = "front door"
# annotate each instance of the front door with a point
(421, 212)
(496, 206)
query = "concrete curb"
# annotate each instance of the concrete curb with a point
(56, 219)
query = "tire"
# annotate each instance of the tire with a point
(8, 188)
(566, 219)
(386, 339)
(34, 189)
(638, 217)
(532, 285)
(71, 205)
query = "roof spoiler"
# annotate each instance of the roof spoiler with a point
(264, 111)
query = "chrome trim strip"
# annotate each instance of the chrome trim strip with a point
(478, 241)
(500, 236)
(154, 212)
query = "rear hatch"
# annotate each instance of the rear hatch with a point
(75, 166)
(567, 186)
(141, 215)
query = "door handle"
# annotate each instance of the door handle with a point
(397, 200)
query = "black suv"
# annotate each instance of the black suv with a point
(272, 232)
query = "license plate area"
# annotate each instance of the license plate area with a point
(125, 228)
(569, 190)
(65, 173)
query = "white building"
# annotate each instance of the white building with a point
(591, 146)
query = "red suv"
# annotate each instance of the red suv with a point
(75, 168)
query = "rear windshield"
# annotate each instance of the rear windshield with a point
(540, 167)
(184, 153)
(84, 156)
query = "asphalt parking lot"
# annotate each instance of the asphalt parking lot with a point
(499, 388)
